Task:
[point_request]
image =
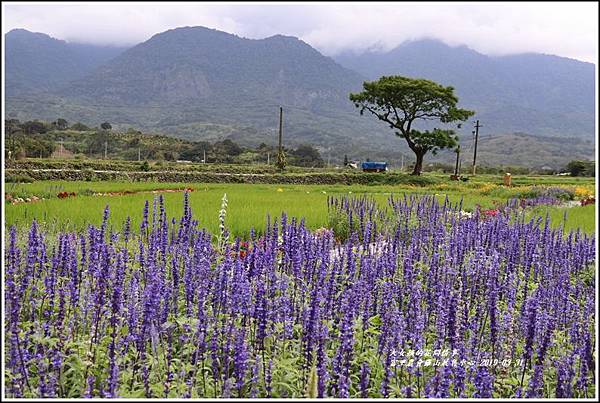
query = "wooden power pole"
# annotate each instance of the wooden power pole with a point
(280, 156)
(477, 126)
(280, 129)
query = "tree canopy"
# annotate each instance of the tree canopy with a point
(80, 127)
(307, 156)
(402, 101)
(34, 127)
(581, 168)
(60, 124)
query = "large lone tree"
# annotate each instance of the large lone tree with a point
(401, 101)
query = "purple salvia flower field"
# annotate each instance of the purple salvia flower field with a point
(412, 299)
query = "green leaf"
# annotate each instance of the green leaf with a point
(375, 320)
(313, 378)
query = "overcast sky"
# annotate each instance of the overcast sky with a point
(566, 29)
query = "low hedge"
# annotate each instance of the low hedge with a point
(322, 178)
(121, 165)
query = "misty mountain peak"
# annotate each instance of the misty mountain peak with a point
(283, 38)
(36, 62)
(21, 34)
(196, 75)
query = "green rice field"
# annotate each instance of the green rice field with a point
(249, 204)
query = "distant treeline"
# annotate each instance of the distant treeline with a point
(38, 139)
(60, 139)
(573, 168)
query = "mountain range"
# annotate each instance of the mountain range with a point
(532, 93)
(36, 62)
(203, 84)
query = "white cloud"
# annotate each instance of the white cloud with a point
(567, 29)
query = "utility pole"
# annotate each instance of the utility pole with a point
(12, 136)
(280, 155)
(268, 158)
(9, 132)
(60, 152)
(204, 156)
(139, 155)
(105, 149)
(401, 162)
(280, 129)
(476, 132)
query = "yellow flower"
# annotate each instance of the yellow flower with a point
(582, 192)
(487, 187)
(280, 190)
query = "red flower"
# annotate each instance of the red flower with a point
(588, 200)
(490, 213)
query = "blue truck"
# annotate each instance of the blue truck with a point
(374, 166)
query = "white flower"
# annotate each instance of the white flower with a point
(465, 214)
(222, 214)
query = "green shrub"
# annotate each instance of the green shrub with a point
(339, 224)
(552, 191)
(88, 174)
(144, 166)
(18, 178)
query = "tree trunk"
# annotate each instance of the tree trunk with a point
(418, 163)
